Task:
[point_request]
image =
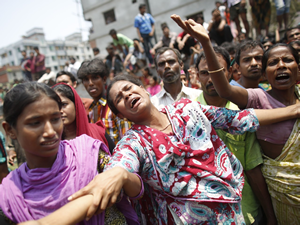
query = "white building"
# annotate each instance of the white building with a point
(56, 52)
(119, 15)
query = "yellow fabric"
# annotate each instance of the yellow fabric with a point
(283, 179)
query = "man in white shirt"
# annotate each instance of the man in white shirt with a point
(73, 66)
(168, 64)
(48, 77)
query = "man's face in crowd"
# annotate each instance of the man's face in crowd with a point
(293, 35)
(48, 70)
(67, 80)
(96, 52)
(217, 16)
(143, 10)
(31, 54)
(23, 54)
(114, 36)
(168, 67)
(166, 31)
(94, 85)
(251, 63)
(205, 79)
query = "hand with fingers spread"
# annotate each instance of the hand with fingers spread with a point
(193, 28)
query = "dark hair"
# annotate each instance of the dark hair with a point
(245, 45)
(230, 47)
(23, 51)
(48, 68)
(148, 70)
(267, 54)
(19, 97)
(60, 73)
(121, 77)
(199, 16)
(96, 49)
(65, 90)
(156, 79)
(92, 67)
(142, 5)
(72, 58)
(164, 49)
(218, 50)
(164, 25)
(112, 31)
(136, 39)
(35, 48)
(288, 30)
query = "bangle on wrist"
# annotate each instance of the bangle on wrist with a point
(215, 71)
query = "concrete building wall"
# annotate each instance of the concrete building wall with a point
(125, 12)
(56, 52)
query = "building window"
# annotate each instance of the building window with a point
(109, 16)
(90, 56)
(77, 56)
(133, 1)
(88, 48)
(12, 63)
(9, 53)
(51, 48)
(53, 58)
(75, 48)
(55, 68)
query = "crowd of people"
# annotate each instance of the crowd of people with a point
(213, 139)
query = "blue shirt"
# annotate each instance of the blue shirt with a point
(144, 23)
(234, 83)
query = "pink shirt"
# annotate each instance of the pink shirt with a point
(153, 90)
(277, 133)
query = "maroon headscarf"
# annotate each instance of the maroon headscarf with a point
(94, 130)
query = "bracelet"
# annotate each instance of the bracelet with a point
(215, 71)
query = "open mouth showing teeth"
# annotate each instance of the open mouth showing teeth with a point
(282, 76)
(133, 102)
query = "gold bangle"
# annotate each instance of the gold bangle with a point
(215, 71)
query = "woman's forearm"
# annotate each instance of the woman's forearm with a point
(132, 185)
(71, 213)
(269, 116)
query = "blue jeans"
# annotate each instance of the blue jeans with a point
(147, 46)
(282, 6)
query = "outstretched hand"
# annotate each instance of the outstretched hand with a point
(193, 28)
(105, 188)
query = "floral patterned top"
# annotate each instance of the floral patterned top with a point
(189, 176)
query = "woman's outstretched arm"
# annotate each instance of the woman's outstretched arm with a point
(76, 211)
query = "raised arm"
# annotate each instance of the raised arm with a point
(235, 94)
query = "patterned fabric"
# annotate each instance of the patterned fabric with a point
(115, 126)
(114, 217)
(2, 149)
(283, 179)
(261, 13)
(190, 174)
(247, 149)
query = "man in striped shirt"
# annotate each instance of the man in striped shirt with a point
(93, 74)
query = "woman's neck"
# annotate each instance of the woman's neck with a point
(70, 131)
(286, 97)
(34, 161)
(156, 119)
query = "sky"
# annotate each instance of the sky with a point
(58, 18)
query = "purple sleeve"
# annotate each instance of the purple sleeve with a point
(254, 97)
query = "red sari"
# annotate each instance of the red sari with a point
(94, 130)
